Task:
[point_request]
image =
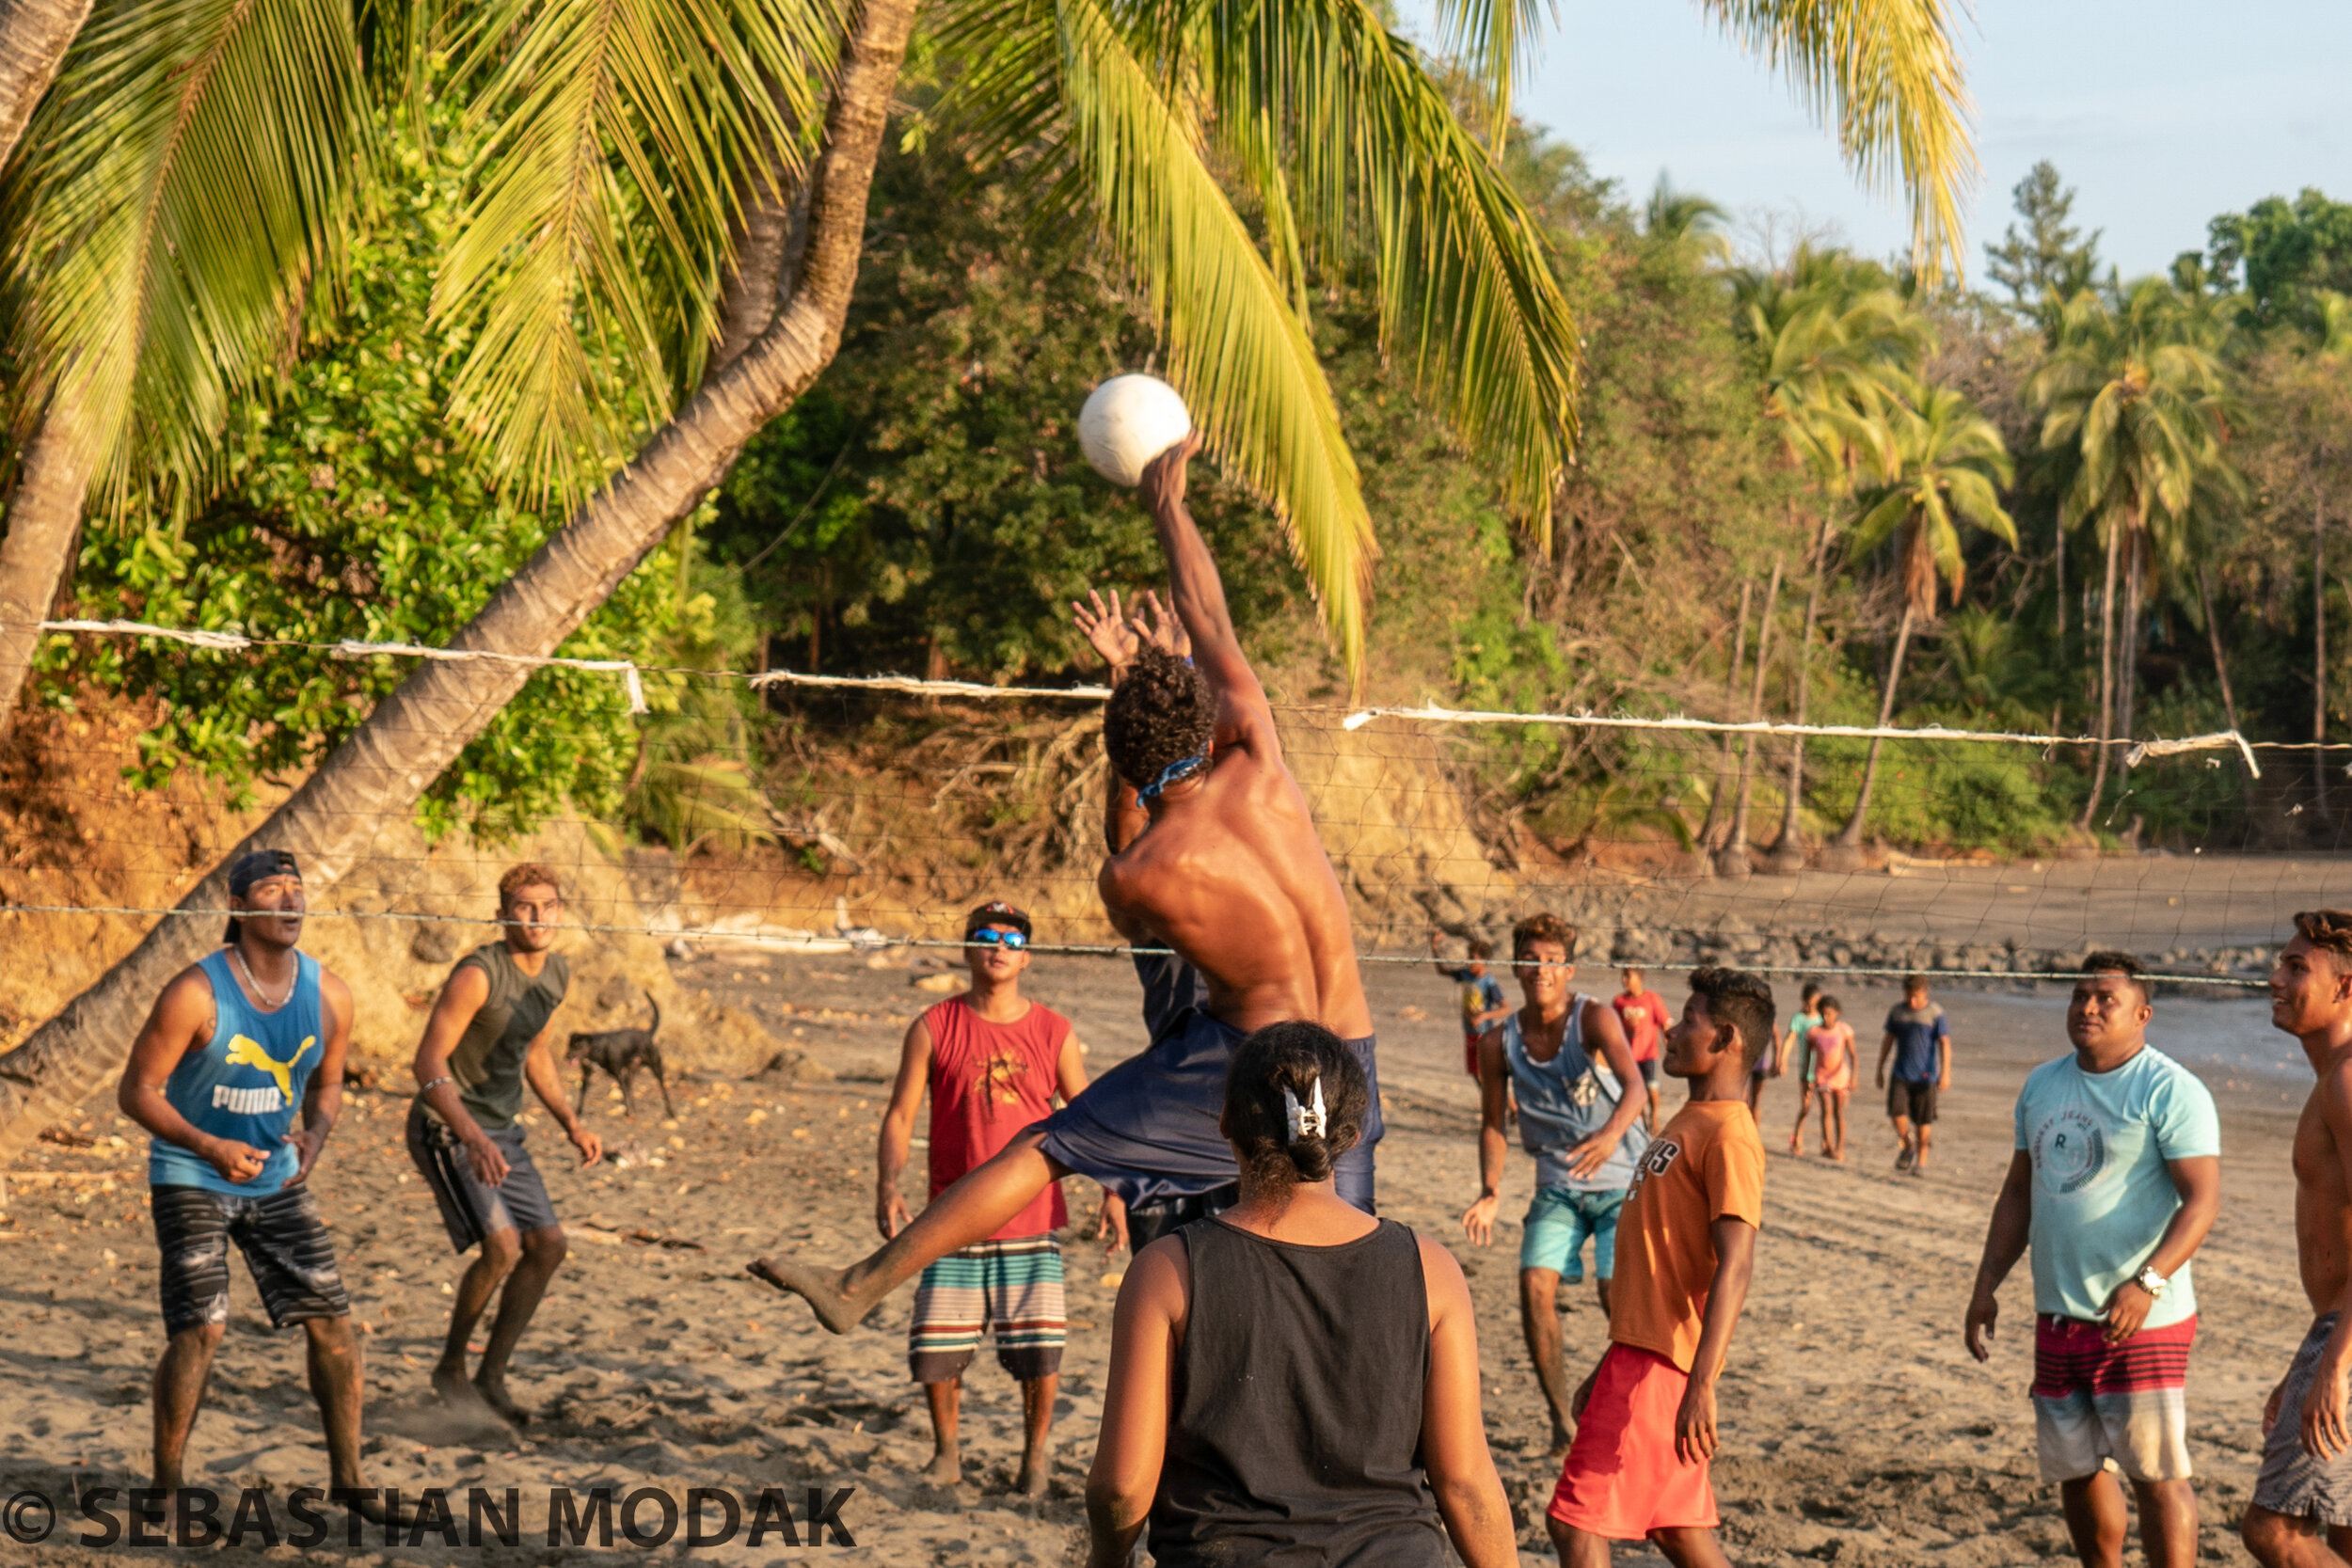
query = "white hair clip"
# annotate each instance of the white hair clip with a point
(1305, 1120)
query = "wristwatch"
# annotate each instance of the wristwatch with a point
(2154, 1283)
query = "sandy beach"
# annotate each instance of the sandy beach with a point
(1857, 1429)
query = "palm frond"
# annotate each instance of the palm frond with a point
(1496, 39)
(186, 188)
(1381, 165)
(1059, 80)
(618, 138)
(1885, 76)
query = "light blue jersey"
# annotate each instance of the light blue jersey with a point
(247, 1082)
(1565, 1100)
(2102, 1194)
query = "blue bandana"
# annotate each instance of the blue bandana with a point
(1175, 772)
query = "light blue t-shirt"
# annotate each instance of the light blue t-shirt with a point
(2102, 1195)
(1566, 1100)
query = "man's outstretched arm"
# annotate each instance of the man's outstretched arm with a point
(1198, 592)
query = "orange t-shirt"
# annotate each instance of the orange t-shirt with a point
(1705, 1164)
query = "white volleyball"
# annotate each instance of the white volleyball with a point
(1127, 421)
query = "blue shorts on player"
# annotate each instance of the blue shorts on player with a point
(1558, 1222)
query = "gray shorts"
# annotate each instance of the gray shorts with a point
(469, 1209)
(2294, 1483)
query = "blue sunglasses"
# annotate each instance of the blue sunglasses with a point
(993, 938)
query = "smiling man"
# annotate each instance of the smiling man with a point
(2301, 1514)
(2116, 1179)
(235, 1043)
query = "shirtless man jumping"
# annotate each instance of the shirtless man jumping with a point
(1229, 873)
(2301, 1514)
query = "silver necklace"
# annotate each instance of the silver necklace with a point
(238, 958)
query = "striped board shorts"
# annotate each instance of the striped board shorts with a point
(2093, 1401)
(286, 1248)
(1014, 1286)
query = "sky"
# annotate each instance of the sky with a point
(2160, 113)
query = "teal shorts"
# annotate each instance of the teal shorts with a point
(1557, 1223)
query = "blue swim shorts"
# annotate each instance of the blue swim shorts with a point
(1558, 1221)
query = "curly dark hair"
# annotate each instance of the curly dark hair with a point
(1296, 1057)
(1742, 999)
(1161, 713)
(2330, 931)
(1543, 925)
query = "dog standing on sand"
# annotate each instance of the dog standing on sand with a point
(620, 1053)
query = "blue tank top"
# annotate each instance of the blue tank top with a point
(247, 1082)
(1565, 1100)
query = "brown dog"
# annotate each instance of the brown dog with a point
(620, 1051)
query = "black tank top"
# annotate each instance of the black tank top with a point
(1295, 1434)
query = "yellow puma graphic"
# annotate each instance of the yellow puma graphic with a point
(249, 1053)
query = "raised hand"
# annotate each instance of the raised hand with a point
(1163, 483)
(1165, 632)
(1107, 629)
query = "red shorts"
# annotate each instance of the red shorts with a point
(1622, 1479)
(1470, 1055)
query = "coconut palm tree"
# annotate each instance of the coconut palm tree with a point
(1827, 332)
(34, 37)
(642, 197)
(2132, 400)
(1950, 464)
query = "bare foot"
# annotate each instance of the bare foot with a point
(821, 1288)
(945, 1469)
(1036, 1470)
(457, 1390)
(1559, 1448)
(367, 1502)
(494, 1394)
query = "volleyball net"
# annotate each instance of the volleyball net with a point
(849, 813)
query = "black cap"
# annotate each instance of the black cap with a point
(257, 866)
(996, 913)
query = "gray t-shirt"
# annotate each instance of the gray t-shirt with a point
(488, 1060)
(1566, 1100)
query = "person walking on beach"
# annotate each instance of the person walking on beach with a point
(1646, 1018)
(491, 1032)
(1919, 1038)
(2302, 1513)
(992, 1062)
(1774, 1061)
(1566, 1059)
(1793, 1048)
(1294, 1380)
(1480, 999)
(2116, 1179)
(237, 1047)
(1830, 1069)
(1646, 1432)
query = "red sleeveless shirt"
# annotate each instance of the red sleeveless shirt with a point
(988, 1081)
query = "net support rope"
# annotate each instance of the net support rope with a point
(866, 938)
(2137, 751)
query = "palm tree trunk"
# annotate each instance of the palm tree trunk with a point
(34, 38)
(1849, 837)
(1788, 851)
(45, 516)
(2127, 656)
(1718, 805)
(2213, 635)
(1737, 845)
(2319, 658)
(2061, 588)
(416, 732)
(2106, 676)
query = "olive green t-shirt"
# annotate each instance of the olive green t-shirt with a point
(488, 1061)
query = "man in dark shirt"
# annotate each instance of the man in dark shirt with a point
(1919, 1038)
(490, 1030)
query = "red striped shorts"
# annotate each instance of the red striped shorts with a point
(2093, 1401)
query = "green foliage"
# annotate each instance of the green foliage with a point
(2285, 254)
(349, 509)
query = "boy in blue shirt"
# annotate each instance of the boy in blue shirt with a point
(1919, 1038)
(2116, 1179)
